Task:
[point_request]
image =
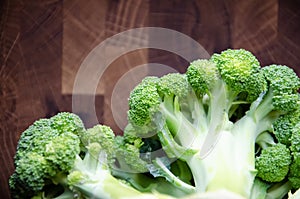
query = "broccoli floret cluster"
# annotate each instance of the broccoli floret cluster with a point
(229, 119)
(59, 158)
(46, 152)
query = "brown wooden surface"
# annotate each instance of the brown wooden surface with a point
(39, 50)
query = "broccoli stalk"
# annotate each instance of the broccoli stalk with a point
(92, 178)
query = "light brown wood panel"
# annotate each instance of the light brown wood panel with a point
(123, 15)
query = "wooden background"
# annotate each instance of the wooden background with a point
(42, 44)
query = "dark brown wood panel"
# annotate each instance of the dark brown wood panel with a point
(206, 21)
(9, 39)
(33, 32)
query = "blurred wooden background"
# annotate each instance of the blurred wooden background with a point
(43, 43)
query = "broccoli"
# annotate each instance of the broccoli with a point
(227, 127)
(59, 158)
(45, 153)
(223, 118)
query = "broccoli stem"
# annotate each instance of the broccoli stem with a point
(66, 195)
(172, 178)
(217, 104)
(104, 187)
(265, 140)
(198, 171)
(137, 180)
(198, 112)
(221, 99)
(170, 146)
(221, 138)
(96, 181)
(234, 172)
(278, 190)
(264, 106)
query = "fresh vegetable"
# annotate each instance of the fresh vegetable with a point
(226, 128)
(229, 119)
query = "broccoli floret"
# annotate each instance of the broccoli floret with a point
(45, 151)
(273, 163)
(62, 150)
(128, 155)
(142, 98)
(202, 76)
(31, 172)
(284, 126)
(68, 122)
(104, 135)
(282, 96)
(241, 71)
(294, 176)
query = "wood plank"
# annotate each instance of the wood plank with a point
(123, 15)
(82, 31)
(205, 21)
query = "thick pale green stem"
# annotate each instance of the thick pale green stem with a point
(198, 170)
(101, 184)
(220, 101)
(198, 112)
(170, 146)
(261, 107)
(218, 170)
(182, 130)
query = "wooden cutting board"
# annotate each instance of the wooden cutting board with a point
(43, 43)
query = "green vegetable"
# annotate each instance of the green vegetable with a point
(227, 128)
(46, 152)
(218, 118)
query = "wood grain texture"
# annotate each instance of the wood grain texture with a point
(34, 64)
(123, 15)
(9, 42)
(254, 24)
(205, 21)
(34, 50)
(82, 31)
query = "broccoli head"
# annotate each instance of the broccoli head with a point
(45, 151)
(273, 164)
